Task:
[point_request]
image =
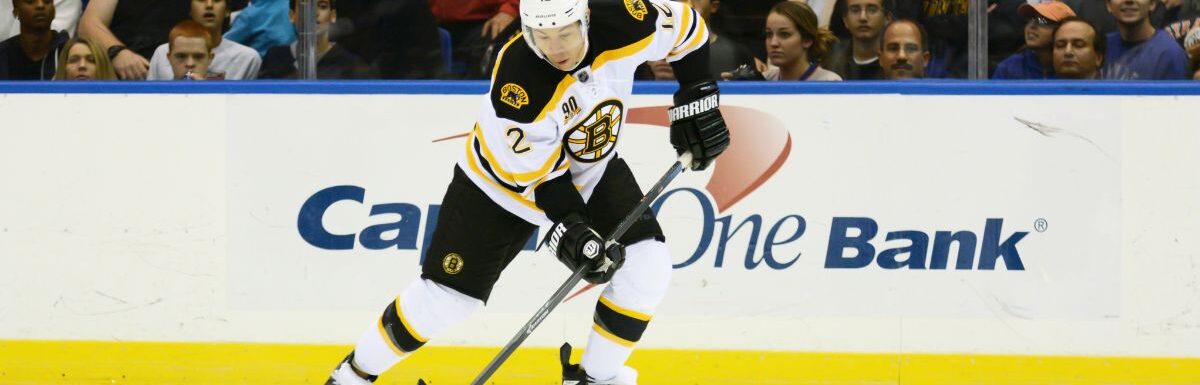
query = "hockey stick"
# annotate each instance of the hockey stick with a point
(651, 195)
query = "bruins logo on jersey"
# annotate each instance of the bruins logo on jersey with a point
(452, 264)
(513, 95)
(636, 8)
(594, 137)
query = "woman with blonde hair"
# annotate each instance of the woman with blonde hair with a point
(83, 59)
(796, 44)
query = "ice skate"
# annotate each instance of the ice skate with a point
(573, 374)
(345, 374)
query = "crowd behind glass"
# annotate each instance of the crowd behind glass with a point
(751, 40)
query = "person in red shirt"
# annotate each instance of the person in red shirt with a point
(474, 25)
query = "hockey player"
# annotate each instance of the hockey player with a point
(543, 153)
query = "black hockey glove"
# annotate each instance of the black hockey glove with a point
(576, 244)
(697, 125)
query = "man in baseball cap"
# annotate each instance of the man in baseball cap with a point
(1035, 61)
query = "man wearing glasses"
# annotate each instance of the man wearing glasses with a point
(1035, 61)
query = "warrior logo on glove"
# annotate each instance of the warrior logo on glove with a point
(577, 245)
(554, 236)
(696, 124)
(591, 249)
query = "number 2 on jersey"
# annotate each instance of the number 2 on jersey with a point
(516, 137)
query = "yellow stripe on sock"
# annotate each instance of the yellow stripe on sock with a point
(623, 311)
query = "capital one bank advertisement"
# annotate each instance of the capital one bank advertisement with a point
(824, 207)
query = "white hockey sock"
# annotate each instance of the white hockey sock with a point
(624, 309)
(373, 355)
(422, 311)
(603, 358)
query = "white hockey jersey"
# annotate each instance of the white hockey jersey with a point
(539, 121)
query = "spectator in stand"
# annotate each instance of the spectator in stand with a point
(725, 54)
(1192, 45)
(31, 55)
(333, 61)
(233, 60)
(1138, 51)
(742, 21)
(1036, 61)
(130, 30)
(1182, 16)
(946, 23)
(262, 25)
(904, 50)
(474, 25)
(191, 51)
(1006, 30)
(66, 17)
(858, 57)
(1096, 12)
(795, 44)
(824, 10)
(83, 60)
(1078, 49)
(397, 38)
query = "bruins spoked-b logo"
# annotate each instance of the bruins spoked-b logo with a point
(452, 263)
(636, 8)
(513, 95)
(596, 135)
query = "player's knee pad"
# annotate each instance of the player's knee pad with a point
(642, 281)
(422, 311)
(624, 310)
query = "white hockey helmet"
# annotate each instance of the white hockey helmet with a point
(540, 14)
